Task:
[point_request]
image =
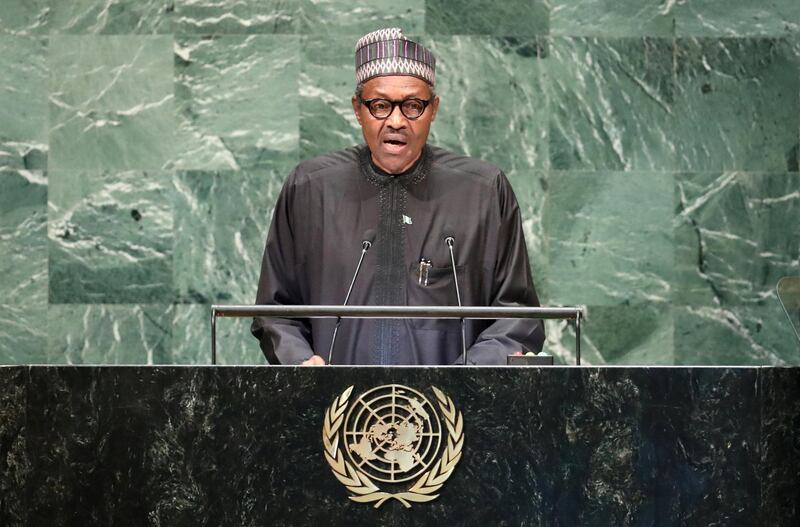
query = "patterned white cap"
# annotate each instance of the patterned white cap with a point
(388, 52)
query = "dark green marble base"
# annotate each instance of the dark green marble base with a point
(14, 459)
(555, 446)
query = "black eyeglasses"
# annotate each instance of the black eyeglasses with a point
(382, 108)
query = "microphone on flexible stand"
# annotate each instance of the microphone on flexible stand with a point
(450, 240)
(368, 238)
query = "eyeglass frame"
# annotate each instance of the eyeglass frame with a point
(368, 102)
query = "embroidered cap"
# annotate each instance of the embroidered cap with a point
(388, 52)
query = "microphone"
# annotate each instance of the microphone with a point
(367, 239)
(450, 241)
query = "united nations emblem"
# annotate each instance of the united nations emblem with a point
(394, 436)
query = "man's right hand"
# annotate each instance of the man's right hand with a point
(315, 360)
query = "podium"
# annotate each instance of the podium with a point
(139, 446)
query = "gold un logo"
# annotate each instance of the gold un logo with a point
(393, 436)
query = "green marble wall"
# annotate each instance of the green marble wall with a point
(653, 146)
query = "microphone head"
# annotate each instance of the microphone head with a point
(368, 238)
(449, 234)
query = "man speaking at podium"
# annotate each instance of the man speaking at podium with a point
(406, 202)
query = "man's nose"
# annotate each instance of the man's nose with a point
(396, 119)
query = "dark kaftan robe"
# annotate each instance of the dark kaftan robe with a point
(326, 206)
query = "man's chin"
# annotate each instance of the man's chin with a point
(393, 164)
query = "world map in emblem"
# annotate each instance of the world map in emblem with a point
(393, 433)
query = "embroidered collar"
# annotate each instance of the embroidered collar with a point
(379, 178)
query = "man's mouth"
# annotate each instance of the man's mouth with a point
(393, 145)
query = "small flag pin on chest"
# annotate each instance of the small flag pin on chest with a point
(407, 220)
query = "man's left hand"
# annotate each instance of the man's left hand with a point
(315, 360)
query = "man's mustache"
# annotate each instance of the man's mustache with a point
(394, 134)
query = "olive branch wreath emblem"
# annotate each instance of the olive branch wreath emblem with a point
(363, 489)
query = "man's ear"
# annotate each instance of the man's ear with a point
(356, 108)
(434, 107)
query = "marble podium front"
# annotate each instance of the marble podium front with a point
(174, 446)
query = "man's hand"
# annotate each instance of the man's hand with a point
(315, 360)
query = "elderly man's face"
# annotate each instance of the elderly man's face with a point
(395, 142)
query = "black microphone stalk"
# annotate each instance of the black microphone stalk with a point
(451, 241)
(369, 237)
